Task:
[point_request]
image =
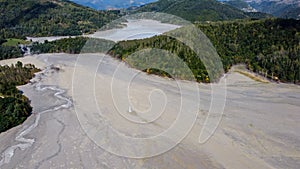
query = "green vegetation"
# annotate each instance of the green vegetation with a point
(198, 10)
(125, 48)
(2, 40)
(14, 107)
(270, 47)
(70, 45)
(8, 50)
(73, 46)
(22, 18)
(14, 42)
(13, 112)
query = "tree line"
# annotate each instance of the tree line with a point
(73, 46)
(269, 47)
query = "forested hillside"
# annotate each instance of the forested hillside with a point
(14, 107)
(199, 10)
(20, 18)
(125, 48)
(270, 47)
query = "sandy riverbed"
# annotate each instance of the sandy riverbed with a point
(134, 29)
(259, 128)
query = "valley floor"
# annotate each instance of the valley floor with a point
(259, 127)
(88, 107)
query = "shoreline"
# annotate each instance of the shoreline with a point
(246, 72)
(132, 29)
(24, 143)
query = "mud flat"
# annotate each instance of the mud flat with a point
(259, 127)
(133, 29)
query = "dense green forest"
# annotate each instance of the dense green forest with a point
(21, 18)
(9, 51)
(69, 45)
(14, 107)
(270, 47)
(199, 10)
(125, 48)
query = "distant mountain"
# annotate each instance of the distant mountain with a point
(198, 10)
(112, 4)
(278, 8)
(240, 4)
(21, 18)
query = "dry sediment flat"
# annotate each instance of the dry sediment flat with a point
(259, 128)
(134, 29)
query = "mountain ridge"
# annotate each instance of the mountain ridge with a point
(20, 18)
(277, 8)
(198, 10)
